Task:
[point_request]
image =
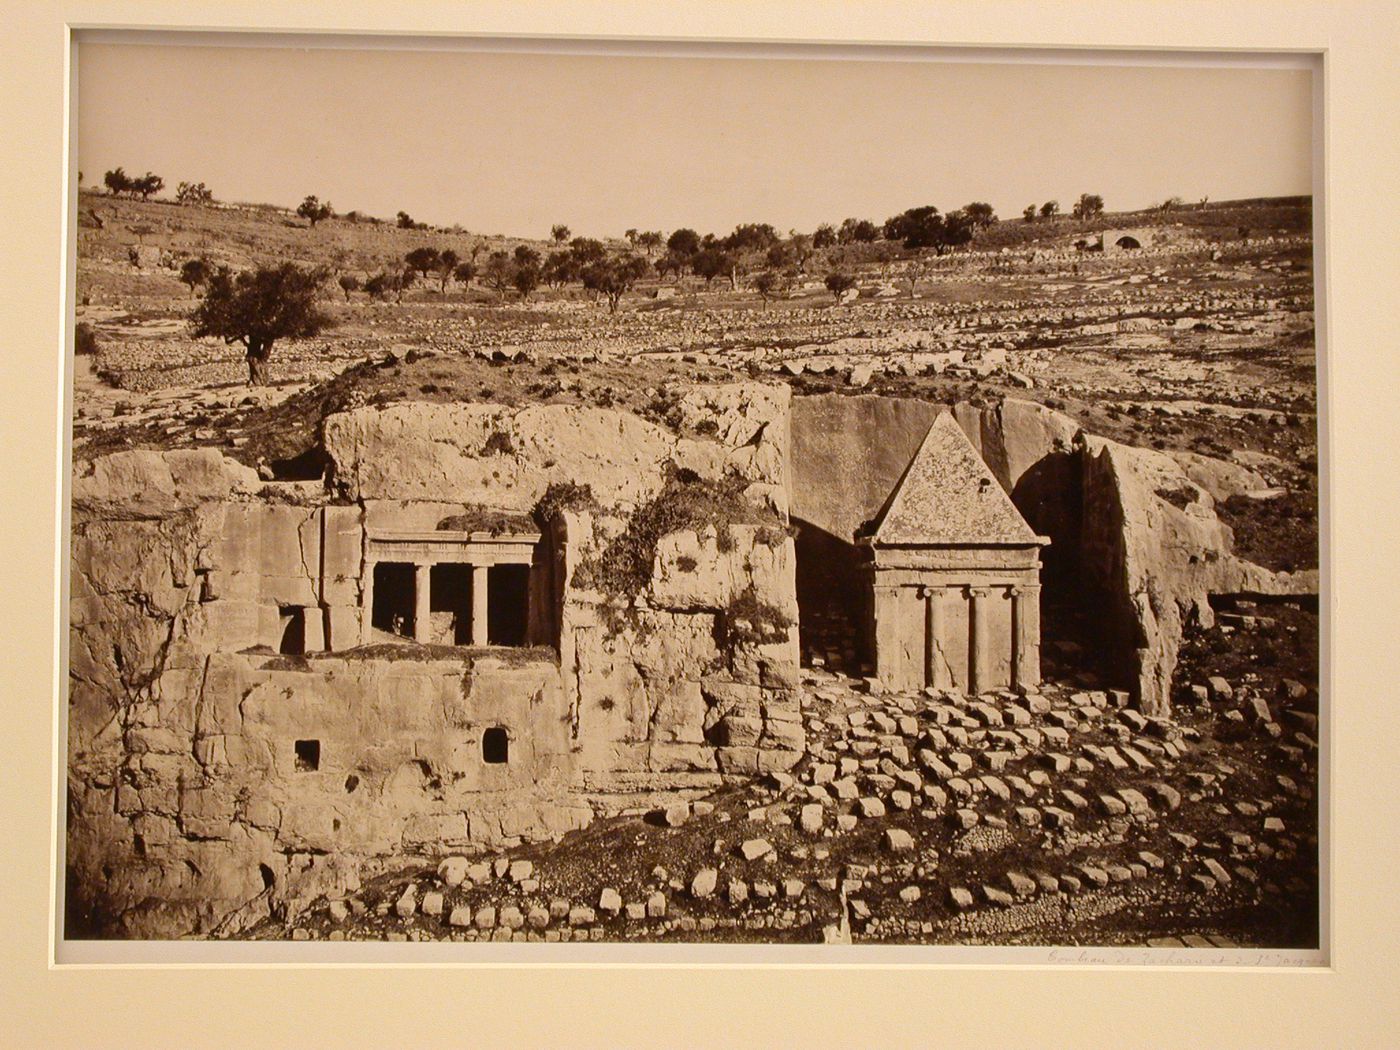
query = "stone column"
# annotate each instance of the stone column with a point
(1025, 633)
(933, 637)
(885, 612)
(979, 659)
(480, 604)
(422, 592)
(367, 605)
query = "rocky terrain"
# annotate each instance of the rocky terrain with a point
(1062, 817)
(1153, 411)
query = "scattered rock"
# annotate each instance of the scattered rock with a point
(703, 885)
(752, 849)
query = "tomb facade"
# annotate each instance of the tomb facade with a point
(954, 576)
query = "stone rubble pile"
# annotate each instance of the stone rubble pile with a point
(920, 816)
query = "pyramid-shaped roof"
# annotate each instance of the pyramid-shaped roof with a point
(948, 495)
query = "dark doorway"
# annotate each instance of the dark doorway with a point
(293, 641)
(508, 606)
(393, 598)
(495, 746)
(450, 594)
(832, 599)
(1127, 243)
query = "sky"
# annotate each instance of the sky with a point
(514, 143)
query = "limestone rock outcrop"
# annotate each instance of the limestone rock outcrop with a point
(236, 747)
(143, 483)
(419, 451)
(1155, 563)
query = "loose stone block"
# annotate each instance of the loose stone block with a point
(704, 882)
(752, 849)
(1021, 885)
(897, 840)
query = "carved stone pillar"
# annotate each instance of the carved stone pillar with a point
(367, 606)
(934, 618)
(480, 604)
(1025, 632)
(885, 612)
(979, 662)
(422, 596)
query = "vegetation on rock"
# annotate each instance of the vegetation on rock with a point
(686, 502)
(748, 620)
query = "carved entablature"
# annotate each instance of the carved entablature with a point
(437, 546)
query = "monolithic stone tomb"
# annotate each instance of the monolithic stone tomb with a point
(955, 576)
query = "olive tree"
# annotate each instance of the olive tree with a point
(195, 272)
(1088, 205)
(257, 308)
(117, 182)
(423, 260)
(615, 277)
(446, 265)
(313, 211)
(769, 284)
(147, 184)
(838, 284)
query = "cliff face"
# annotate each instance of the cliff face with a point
(212, 777)
(849, 452)
(1153, 548)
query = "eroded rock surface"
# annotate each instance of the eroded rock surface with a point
(236, 746)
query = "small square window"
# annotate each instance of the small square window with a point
(495, 746)
(308, 756)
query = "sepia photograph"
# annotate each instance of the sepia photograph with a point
(694, 497)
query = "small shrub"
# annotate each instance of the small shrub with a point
(1181, 497)
(562, 496)
(84, 339)
(498, 444)
(686, 502)
(774, 536)
(748, 620)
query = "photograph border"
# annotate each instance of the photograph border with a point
(1358, 90)
(69, 952)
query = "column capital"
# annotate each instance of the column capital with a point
(980, 591)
